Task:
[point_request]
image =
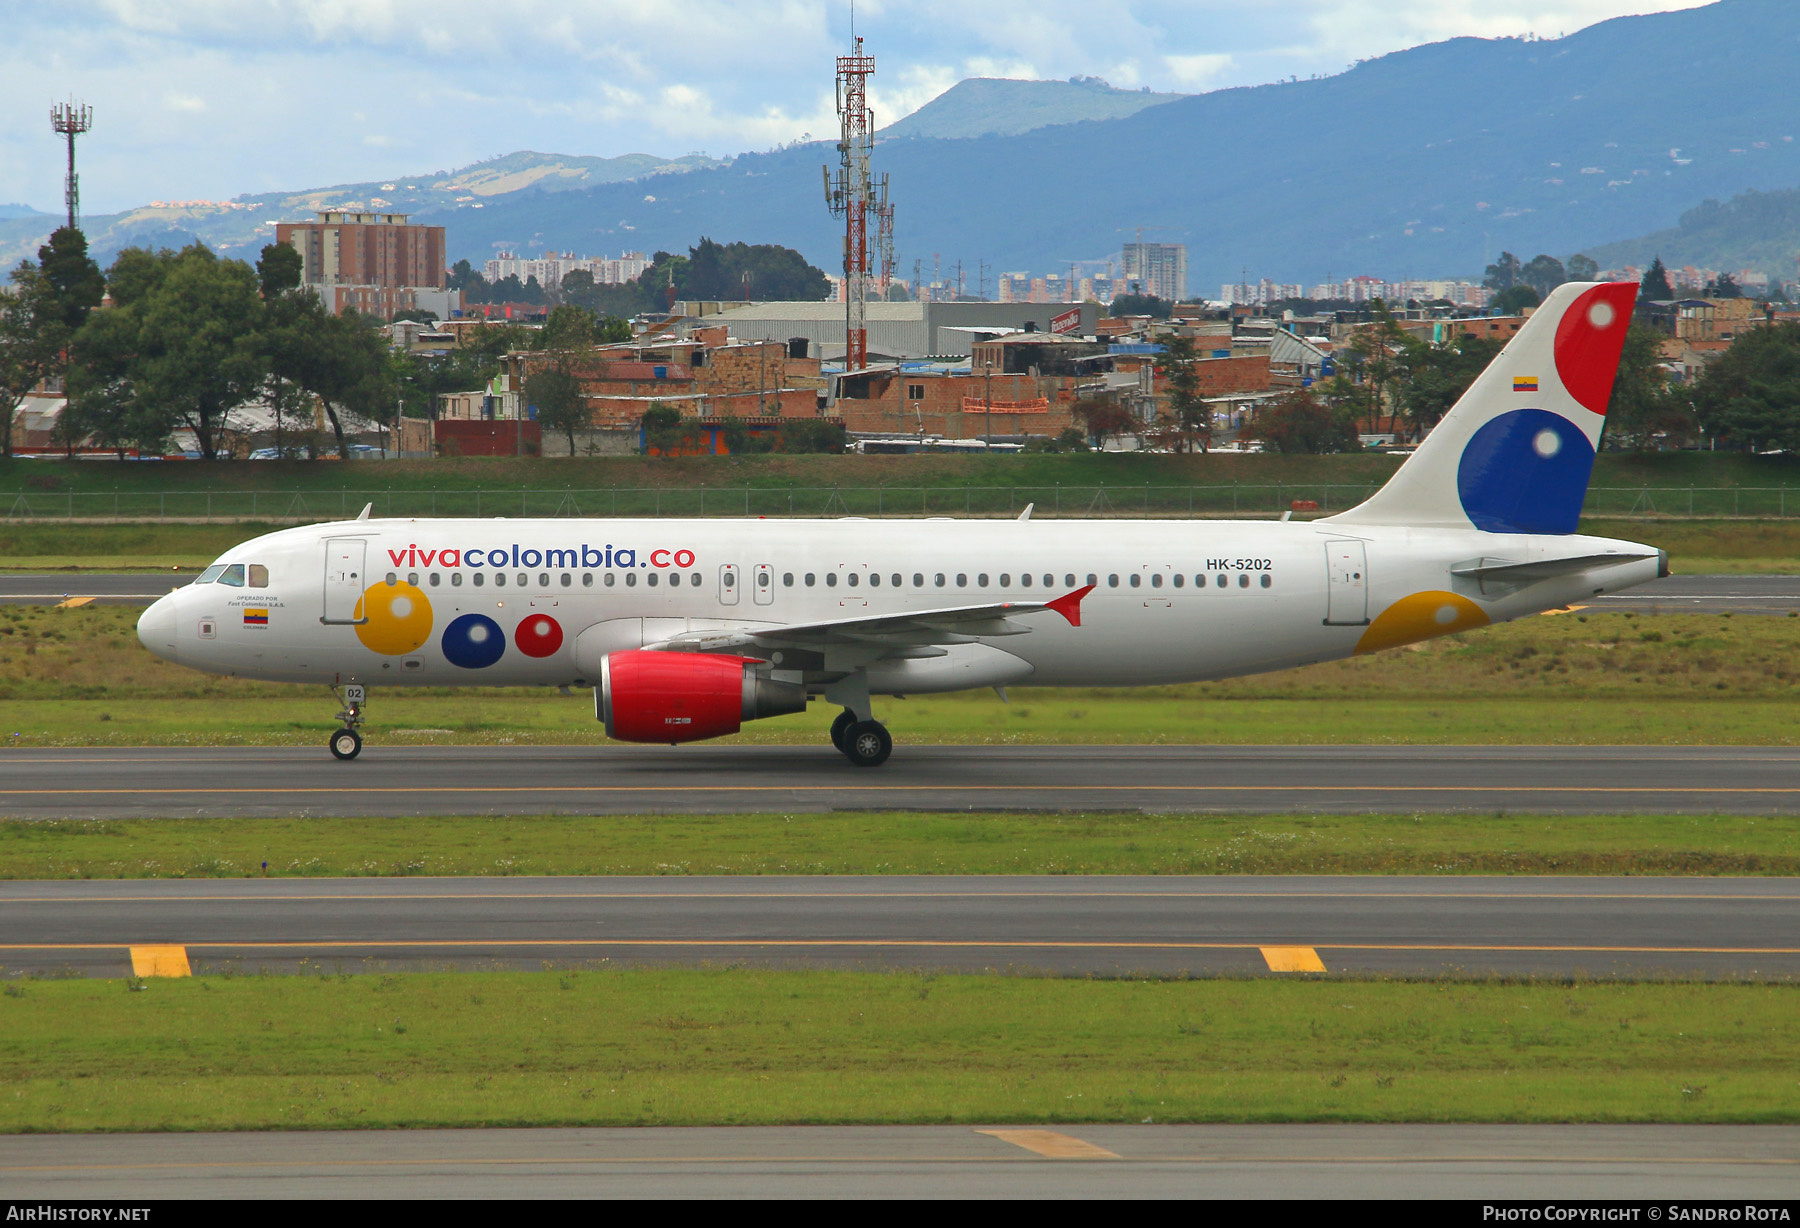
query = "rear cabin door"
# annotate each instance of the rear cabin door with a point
(1347, 569)
(344, 579)
(728, 584)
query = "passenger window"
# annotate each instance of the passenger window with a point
(610, 577)
(1092, 579)
(1024, 579)
(650, 579)
(1199, 581)
(1049, 581)
(787, 579)
(1178, 579)
(524, 579)
(896, 579)
(919, 580)
(412, 577)
(499, 579)
(831, 579)
(809, 579)
(543, 579)
(693, 579)
(1068, 580)
(1005, 580)
(1221, 582)
(456, 579)
(1266, 581)
(874, 579)
(938, 580)
(730, 579)
(567, 579)
(852, 580)
(1243, 581)
(480, 579)
(234, 576)
(1112, 582)
(259, 576)
(1136, 580)
(981, 580)
(210, 574)
(762, 579)
(631, 579)
(587, 579)
(1156, 580)
(433, 579)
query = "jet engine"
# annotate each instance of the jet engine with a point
(684, 697)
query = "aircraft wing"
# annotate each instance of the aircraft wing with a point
(915, 629)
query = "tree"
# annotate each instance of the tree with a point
(1141, 305)
(811, 435)
(1725, 287)
(662, 429)
(31, 341)
(1103, 417)
(1655, 286)
(1746, 396)
(557, 395)
(1504, 273)
(1543, 275)
(1583, 268)
(340, 359)
(1372, 351)
(1438, 375)
(74, 282)
(1300, 422)
(278, 269)
(1645, 408)
(573, 328)
(1193, 416)
(1514, 300)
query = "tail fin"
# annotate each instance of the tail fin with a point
(1514, 454)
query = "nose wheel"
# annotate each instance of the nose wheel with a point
(346, 743)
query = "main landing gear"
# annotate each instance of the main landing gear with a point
(864, 743)
(346, 743)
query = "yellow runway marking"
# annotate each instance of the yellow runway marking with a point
(1292, 959)
(1052, 1145)
(952, 943)
(1568, 609)
(160, 961)
(71, 602)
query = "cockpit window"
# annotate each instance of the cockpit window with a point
(210, 574)
(233, 575)
(259, 576)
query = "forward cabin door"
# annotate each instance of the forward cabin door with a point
(764, 592)
(728, 584)
(1347, 568)
(344, 579)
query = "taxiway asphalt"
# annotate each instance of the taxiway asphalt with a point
(153, 782)
(1067, 925)
(1634, 1163)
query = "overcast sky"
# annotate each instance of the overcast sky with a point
(207, 99)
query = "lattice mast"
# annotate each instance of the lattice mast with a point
(883, 209)
(70, 120)
(849, 194)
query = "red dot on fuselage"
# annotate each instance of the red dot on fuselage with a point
(1589, 337)
(538, 636)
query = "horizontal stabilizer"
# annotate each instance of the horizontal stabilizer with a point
(1502, 572)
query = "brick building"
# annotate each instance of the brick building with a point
(892, 401)
(705, 375)
(376, 263)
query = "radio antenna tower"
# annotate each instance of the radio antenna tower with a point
(849, 193)
(883, 209)
(71, 119)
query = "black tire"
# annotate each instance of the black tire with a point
(844, 720)
(346, 744)
(868, 744)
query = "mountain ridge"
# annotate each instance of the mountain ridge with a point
(1001, 106)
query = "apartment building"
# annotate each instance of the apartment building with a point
(376, 263)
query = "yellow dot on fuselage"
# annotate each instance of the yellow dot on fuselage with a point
(399, 619)
(1420, 617)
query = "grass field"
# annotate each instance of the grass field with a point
(79, 677)
(739, 1046)
(903, 843)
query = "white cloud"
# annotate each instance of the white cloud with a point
(1197, 72)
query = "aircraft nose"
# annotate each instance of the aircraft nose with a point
(156, 627)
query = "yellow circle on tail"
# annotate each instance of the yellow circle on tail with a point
(1421, 617)
(399, 618)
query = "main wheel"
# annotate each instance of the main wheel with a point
(844, 720)
(346, 744)
(867, 744)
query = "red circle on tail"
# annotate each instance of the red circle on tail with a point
(1589, 337)
(538, 636)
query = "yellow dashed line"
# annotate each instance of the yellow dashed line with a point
(70, 603)
(160, 961)
(1292, 959)
(1052, 1145)
(1568, 609)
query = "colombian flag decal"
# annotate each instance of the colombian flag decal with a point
(1525, 383)
(256, 618)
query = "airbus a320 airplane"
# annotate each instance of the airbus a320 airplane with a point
(688, 628)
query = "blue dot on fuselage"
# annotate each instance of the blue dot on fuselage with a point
(473, 641)
(1525, 472)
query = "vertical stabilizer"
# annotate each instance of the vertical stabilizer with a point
(1515, 452)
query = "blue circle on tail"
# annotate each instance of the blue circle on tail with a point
(1525, 472)
(473, 641)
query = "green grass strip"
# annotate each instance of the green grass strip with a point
(904, 843)
(752, 1046)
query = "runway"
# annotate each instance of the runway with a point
(1739, 1163)
(1704, 928)
(1678, 594)
(153, 782)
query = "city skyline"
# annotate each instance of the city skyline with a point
(200, 99)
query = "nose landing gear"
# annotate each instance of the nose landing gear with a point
(346, 743)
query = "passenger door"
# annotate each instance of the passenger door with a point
(728, 584)
(344, 580)
(1347, 600)
(764, 591)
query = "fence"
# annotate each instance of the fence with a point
(1050, 501)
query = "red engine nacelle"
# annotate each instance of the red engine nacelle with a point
(684, 697)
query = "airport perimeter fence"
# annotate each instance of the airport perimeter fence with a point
(1121, 501)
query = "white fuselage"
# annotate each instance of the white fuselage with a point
(1174, 601)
